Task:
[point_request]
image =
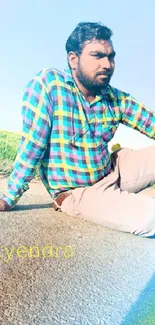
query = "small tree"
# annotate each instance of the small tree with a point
(115, 147)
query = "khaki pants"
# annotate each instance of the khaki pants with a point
(116, 201)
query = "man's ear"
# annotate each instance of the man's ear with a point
(73, 60)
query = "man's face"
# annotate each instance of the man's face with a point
(95, 65)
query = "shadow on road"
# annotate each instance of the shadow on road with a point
(32, 207)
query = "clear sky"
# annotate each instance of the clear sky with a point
(33, 36)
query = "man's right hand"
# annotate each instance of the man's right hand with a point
(4, 206)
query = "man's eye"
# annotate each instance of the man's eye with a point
(111, 57)
(97, 55)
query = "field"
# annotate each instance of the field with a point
(8, 149)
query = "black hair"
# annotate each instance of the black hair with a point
(86, 31)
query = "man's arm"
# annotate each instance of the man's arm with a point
(136, 115)
(36, 112)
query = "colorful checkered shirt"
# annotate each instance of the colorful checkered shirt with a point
(67, 136)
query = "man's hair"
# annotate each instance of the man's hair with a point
(84, 32)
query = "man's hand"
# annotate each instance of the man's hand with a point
(4, 206)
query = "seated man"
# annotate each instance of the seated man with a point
(68, 119)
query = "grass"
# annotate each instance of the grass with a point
(8, 145)
(8, 149)
(9, 142)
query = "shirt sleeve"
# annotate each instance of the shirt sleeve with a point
(34, 140)
(136, 115)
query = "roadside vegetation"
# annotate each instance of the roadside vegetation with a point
(8, 150)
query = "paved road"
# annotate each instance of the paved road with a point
(89, 275)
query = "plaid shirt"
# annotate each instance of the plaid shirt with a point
(67, 136)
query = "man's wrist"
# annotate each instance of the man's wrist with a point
(10, 202)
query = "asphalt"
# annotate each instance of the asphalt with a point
(97, 276)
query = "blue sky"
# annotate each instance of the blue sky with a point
(33, 36)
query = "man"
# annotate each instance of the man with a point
(68, 120)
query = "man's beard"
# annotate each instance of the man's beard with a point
(91, 83)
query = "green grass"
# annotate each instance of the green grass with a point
(8, 145)
(8, 149)
(9, 142)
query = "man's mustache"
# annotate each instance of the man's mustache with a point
(103, 73)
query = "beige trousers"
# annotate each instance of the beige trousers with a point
(116, 201)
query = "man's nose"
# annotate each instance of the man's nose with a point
(106, 63)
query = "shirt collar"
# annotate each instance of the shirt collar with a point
(68, 76)
(105, 93)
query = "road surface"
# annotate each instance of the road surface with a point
(60, 270)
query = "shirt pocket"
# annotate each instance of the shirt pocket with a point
(105, 131)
